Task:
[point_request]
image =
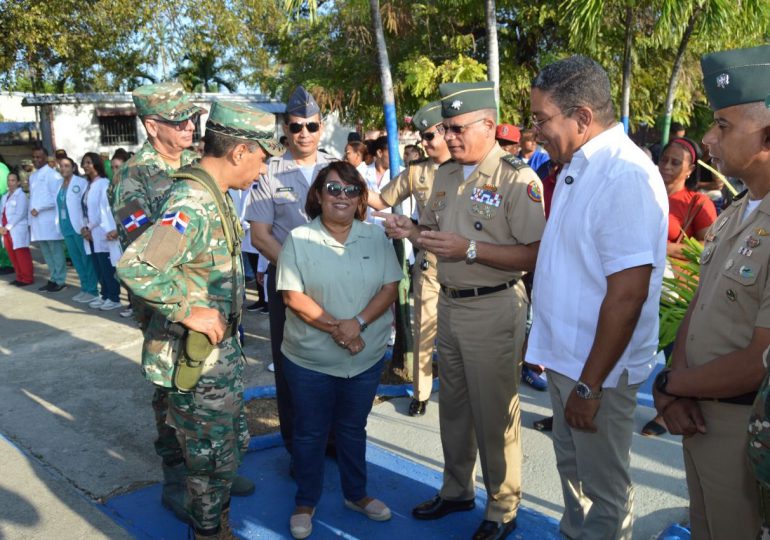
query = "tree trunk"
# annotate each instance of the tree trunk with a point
(493, 56)
(402, 350)
(625, 107)
(675, 70)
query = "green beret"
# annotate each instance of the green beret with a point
(428, 116)
(167, 100)
(461, 98)
(736, 77)
(244, 122)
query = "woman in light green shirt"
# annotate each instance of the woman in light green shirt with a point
(339, 277)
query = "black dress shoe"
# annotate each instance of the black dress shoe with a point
(417, 408)
(492, 530)
(437, 508)
(22, 284)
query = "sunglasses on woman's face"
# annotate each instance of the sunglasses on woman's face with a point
(335, 190)
(296, 127)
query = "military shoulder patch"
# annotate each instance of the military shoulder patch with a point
(163, 247)
(513, 161)
(534, 192)
(178, 220)
(134, 220)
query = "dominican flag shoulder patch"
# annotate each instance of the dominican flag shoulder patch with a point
(178, 220)
(135, 220)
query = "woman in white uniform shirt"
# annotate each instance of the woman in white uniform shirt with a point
(69, 218)
(14, 228)
(99, 232)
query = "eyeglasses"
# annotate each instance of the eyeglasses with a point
(456, 129)
(335, 190)
(537, 124)
(178, 125)
(429, 135)
(296, 127)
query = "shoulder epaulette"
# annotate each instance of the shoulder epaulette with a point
(515, 162)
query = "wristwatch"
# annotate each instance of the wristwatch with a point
(362, 322)
(470, 254)
(584, 391)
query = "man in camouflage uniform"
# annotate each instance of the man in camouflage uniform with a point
(187, 268)
(417, 180)
(136, 194)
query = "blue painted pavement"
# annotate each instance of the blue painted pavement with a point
(400, 483)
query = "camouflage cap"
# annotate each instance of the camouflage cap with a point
(167, 100)
(26, 163)
(244, 122)
(302, 104)
(428, 116)
(736, 77)
(461, 98)
(507, 133)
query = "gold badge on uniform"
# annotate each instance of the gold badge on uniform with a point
(761, 232)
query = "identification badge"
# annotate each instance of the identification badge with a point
(285, 189)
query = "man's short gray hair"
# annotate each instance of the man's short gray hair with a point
(578, 81)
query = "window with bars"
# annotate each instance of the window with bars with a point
(117, 130)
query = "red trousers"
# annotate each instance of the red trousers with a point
(21, 259)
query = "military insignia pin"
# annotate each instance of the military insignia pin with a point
(456, 104)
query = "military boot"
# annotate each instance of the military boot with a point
(174, 496)
(241, 487)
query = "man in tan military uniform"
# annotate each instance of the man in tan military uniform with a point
(717, 366)
(417, 180)
(483, 220)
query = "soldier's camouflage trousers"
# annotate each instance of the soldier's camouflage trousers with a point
(211, 428)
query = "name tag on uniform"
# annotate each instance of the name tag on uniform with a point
(286, 189)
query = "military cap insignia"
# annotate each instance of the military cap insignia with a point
(534, 192)
(178, 220)
(424, 123)
(456, 104)
(723, 80)
(135, 220)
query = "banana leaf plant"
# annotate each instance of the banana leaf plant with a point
(678, 291)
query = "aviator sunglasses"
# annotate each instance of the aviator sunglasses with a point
(335, 190)
(296, 127)
(428, 135)
(178, 125)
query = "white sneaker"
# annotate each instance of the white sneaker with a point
(271, 367)
(126, 313)
(96, 304)
(85, 298)
(109, 304)
(78, 297)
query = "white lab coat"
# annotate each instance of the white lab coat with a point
(74, 201)
(44, 185)
(100, 221)
(15, 207)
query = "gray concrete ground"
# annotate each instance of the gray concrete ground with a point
(72, 398)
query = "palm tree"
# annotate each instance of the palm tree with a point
(206, 71)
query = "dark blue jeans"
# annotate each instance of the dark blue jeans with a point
(323, 403)
(105, 272)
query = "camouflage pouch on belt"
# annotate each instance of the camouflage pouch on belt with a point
(197, 348)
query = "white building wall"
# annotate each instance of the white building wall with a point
(76, 130)
(11, 109)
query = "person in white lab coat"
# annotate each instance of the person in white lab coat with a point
(44, 185)
(14, 229)
(99, 232)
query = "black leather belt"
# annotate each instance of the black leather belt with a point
(743, 399)
(478, 291)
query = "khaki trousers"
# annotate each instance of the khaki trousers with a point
(479, 372)
(724, 499)
(594, 467)
(426, 291)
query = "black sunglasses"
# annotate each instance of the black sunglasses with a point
(428, 135)
(178, 125)
(296, 127)
(335, 190)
